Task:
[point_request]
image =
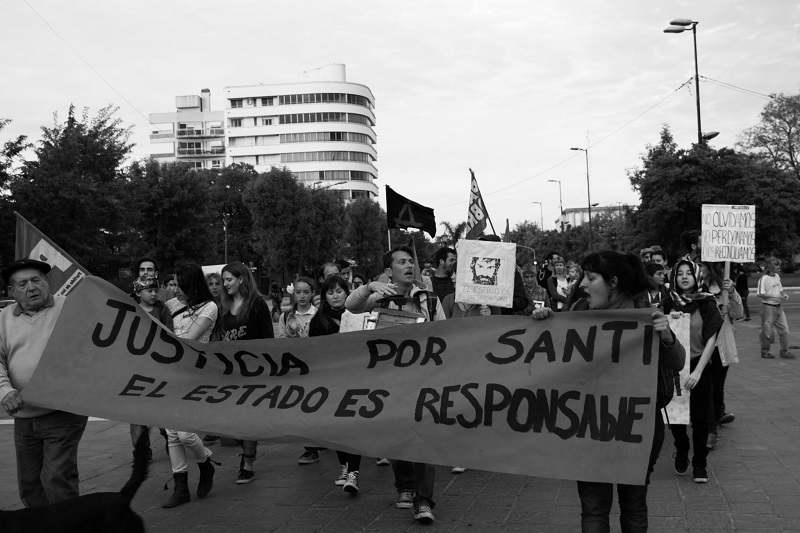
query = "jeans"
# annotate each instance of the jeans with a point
(773, 317)
(718, 375)
(597, 498)
(416, 477)
(47, 457)
(138, 430)
(352, 461)
(700, 405)
(181, 441)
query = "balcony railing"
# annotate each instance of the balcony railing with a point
(162, 135)
(207, 132)
(201, 152)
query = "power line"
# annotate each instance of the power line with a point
(576, 155)
(740, 89)
(85, 62)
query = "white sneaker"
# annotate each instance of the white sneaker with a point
(342, 479)
(458, 470)
(382, 461)
(352, 483)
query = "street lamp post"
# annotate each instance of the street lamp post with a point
(588, 192)
(541, 215)
(560, 203)
(679, 26)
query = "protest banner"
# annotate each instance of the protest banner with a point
(31, 243)
(572, 397)
(485, 272)
(677, 411)
(729, 233)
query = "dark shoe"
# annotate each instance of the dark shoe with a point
(767, 356)
(210, 438)
(352, 483)
(788, 355)
(747, 319)
(405, 500)
(423, 514)
(181, 493)
(309, 457)
(245, 476)
(727, 418)
(681, 462)
(699, 475)
(206, 478)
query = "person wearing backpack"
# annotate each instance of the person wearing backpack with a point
(413, 481)
(611, 281)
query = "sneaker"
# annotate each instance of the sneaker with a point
(405, 500)
(382, 461)
(245, 476)
(681, 463)
(747, 319)
(767, 356)
(711, 443)
(788, 355)
(726, 418)
(699, 475)
(423, 513)
(458, 470)
(309, 457)
(342, 479)
(351, 486)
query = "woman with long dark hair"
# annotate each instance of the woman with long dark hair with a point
(327, 320)
(193, 316)
(705, 323)
(244, 316)
(612, 280)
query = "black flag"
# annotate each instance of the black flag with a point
(404, 213)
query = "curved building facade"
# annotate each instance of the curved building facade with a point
(321, 128)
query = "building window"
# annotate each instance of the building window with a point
(359, 194)
(267, 101)
(237, 103)
(216, 163)
(266, 121)
(236, 123)
(300, 157)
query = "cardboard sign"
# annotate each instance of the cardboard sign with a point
(729, 233)
(575, 392)
(678, 408)
(485, 272)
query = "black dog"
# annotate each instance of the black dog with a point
(100, 512)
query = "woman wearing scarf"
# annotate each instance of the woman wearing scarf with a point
(705, 323)
(611, 281)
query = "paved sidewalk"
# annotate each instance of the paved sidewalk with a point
(754, 476)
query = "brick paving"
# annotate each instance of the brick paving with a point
(754, 473)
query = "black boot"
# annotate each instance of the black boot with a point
(206, 478)
(181, 493)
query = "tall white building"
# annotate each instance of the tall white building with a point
(192, 133)
(321, 128)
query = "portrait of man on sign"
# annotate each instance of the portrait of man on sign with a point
(484, 270)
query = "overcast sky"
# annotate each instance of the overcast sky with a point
(504, 87)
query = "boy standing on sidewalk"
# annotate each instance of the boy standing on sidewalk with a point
(771, 293)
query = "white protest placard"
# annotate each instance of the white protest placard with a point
(485, 272)
(729, 233)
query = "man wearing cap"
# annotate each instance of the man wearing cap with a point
(46, 441)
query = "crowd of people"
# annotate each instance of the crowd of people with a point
(227, 306)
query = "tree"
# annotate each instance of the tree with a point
(73, 191)
(10, 153)
(228, 208)
(294, 228)
(777, 136)
(674, 184)
(171, 218)
(452, 232)
(365, 236)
